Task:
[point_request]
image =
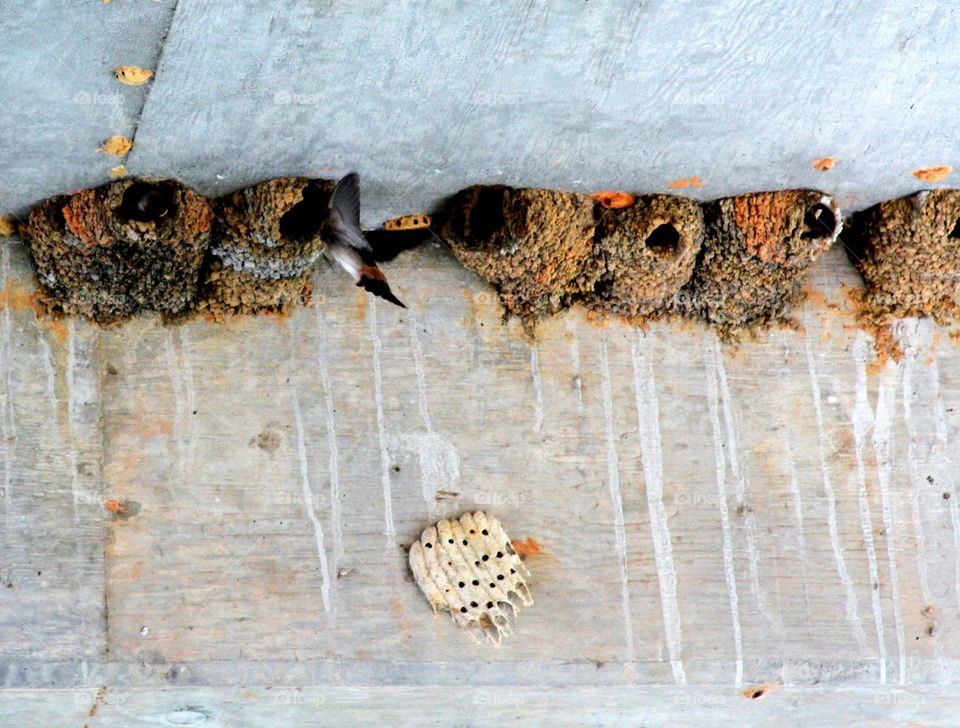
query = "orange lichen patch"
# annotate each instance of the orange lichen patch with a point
(824, 164)
(132, 75)
(8, 227)
(614, 200)
(933, 174)
(117, 146)
(530, 547)
(117, 172)
(687, 182)
(408, 222)
(755, 692)
(761, 218)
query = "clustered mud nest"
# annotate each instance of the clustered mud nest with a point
(737, 264)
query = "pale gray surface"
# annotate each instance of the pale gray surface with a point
(780, 543)
(424, 100)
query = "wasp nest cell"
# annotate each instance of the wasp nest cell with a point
(110, 252)
(535, 246)
(266, 241)
(756, 251)
(468, 566)
(908, 252)
(648, 250)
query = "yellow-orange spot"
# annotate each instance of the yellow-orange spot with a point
(117, 146)
(7, 226)
(688, 182)
(614, 200)
(117, 172)
(132, 75)
(115, 506)
(530, 547)
(824, 164)
(408, 222)
(933, 174)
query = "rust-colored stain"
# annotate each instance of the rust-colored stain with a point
(117, 172)
(8, 227)
(933, 174)
(530, 547)
(136, 570)
(614, 200)
(115, 506)
(824, 164)
(132, 75)
(686, 182)
(755, 692)
(117, 146)
(408, 222)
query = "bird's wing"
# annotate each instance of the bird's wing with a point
(345, 213)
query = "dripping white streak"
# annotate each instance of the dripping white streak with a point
(713, 398)
(740, 485)
(537, 387)
(613, 481)
(421, 372)
(852, 606)
(943, 459)
(389, 529)
(175, 383)
(332, 447)
(46, 356)
(9, 420)
(798, 520)
(862, 422)
(648, 420)
(881, 449)
(186, 374)
(308, 498)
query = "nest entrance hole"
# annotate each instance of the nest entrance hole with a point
(145, 202)
(664, 240)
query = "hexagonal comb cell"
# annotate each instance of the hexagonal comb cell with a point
(649, 251)
(908, 252)
(111, 252)
(756, 251)
(535, 246)
(266, 241)
(469, 567)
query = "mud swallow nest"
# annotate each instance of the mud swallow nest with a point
(908, 252)
(756, 251)
(535, 246)
(265, 243)
(648, 252)
(111, 252)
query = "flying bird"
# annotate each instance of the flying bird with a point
(350, 247)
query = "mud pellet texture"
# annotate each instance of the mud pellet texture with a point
(266, 242)
(648, 252)
(756, 251)
(908, 252)
(112, 252)
(535, 246)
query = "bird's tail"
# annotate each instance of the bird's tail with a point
(373, 280)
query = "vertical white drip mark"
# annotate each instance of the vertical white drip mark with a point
(46, 358)
(76, 424)
(332, 447)
(419, 367)
(852, 606)
(9, 420)
(798, 521)
(537, 387)
(648, 421)
(308, 495)
(186, 375)
(389, 529)
(713, 398)
(911, 331)
(943, 438)
(179, 399)
(881, 448)
(740, 488)
(862, 422)
(613, 481)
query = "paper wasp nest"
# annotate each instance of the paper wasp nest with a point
(469, 567)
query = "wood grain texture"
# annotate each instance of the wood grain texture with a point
(707, 519)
